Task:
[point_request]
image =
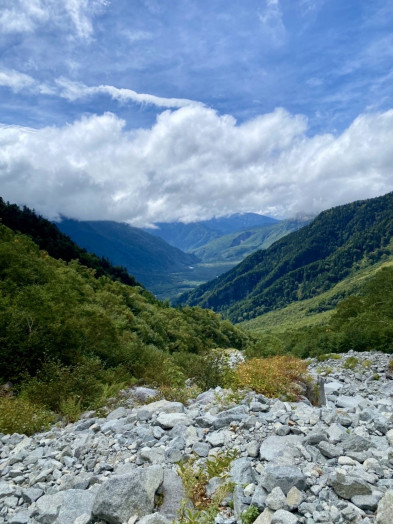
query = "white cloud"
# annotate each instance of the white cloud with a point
(192, 164)
(72, 91)
(24, 16)
(15, 80)
(75, 90)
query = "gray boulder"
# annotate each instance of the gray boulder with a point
(274, 446)
(47, 507)
(173, 493)
(76, 502)
(356, 443)
(241, 472)
(385, 509)
(154, 518)
(347, 486)
(276, 499)
(123, 496)
(284, 517)
(170, 420)
(164, 406)
(284, 477)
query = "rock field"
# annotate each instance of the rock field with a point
(296, 463)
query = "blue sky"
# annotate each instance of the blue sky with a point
(196, 107)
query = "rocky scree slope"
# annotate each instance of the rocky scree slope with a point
(295, 463)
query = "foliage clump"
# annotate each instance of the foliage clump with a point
(273, 376)
(195, 477)
(68, 338)
(250, 515)
(20, 415)
(351, 363)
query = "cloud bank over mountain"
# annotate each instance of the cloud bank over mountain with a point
(193, 163)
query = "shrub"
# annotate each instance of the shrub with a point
(19, 415)
(250, 515)
(351, 363)
(69, 390)
(272, 376)
(195, 478)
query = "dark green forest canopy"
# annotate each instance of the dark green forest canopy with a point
(48, 237)
(58, 311)
(303, 264)
(362, 323)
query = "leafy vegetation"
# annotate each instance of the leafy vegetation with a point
(195, 477)
(19, 415)
(66, 337)
(305, 263)
(250, 515)
(277, 376)
(48, 237)
(362, 322)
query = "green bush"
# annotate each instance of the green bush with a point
(70, 390)
(19, 415)
(351, 363)
(250, 515)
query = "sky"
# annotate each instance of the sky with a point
(165, 110)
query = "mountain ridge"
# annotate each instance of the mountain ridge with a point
(192, 235)
(302, 264)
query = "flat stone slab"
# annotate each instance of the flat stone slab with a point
(332, 387)
(274, 446)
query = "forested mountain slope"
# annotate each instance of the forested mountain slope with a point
(191, 236)
(129, 246)
(59, 313)
(304, 263)
(236, 246)
(48, 237)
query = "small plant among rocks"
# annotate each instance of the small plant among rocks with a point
(195, 478)
(328, 356)
(351, 363)
(228, 398)
(250, 515)
(182, 394)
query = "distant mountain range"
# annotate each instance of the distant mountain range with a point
(158, 262)
(303, 264)
(235, 247)
(191, 236)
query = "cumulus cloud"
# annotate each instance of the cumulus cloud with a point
(193, 164)
(25, 16)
